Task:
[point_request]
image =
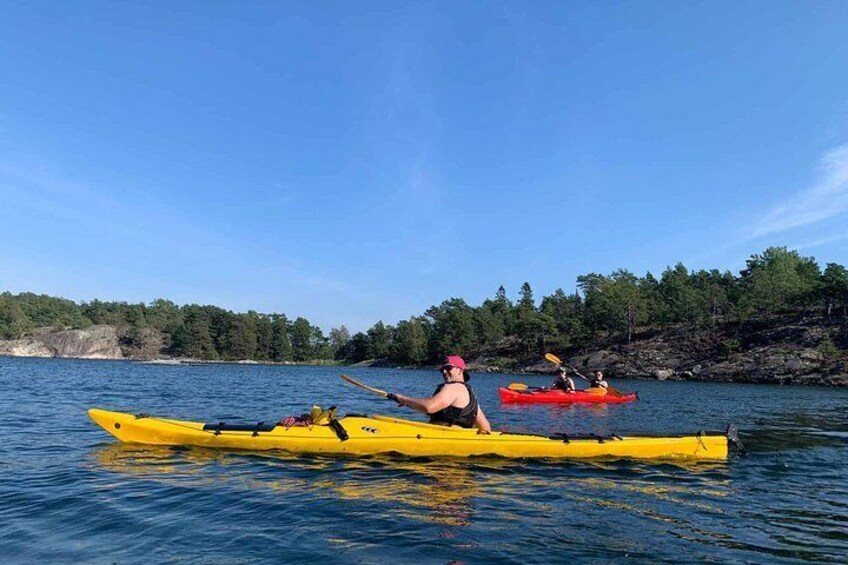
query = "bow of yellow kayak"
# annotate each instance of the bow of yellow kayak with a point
(371, 435)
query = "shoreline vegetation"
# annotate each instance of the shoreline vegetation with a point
(783, 319)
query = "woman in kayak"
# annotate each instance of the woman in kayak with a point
(563, 381)
(453, 402)
(598, 380)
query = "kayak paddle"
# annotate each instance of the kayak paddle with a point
(556, 361)
(390, 395)
(355, 382)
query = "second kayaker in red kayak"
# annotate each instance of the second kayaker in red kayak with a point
(453, 402)
(563, 381)
(595, 381)
(598, 381)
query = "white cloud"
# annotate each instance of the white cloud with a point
(823, 200)
(820, 242)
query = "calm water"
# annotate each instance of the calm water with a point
(68, 492)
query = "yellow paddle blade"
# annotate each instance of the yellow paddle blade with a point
(614, 391)
(553, 358)
(517, 386)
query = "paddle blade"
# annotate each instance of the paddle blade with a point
(517, 386)
(553, 358)
(614, 391)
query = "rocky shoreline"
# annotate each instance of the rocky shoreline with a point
(95, 342)
(784, 352)
(801, 353)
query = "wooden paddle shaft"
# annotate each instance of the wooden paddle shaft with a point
(363, 385)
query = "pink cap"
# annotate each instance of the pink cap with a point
(454, 361)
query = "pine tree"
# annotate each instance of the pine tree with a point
(14, 324)
(300, 334)
(452, 328)
(779, 280)
(409, 342)
(338, 339)
(281, 348)
(835, 288)
(529, 325)
(241, 339)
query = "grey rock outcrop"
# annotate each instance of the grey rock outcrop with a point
(26, 347)
(778, 354)
(95, 342)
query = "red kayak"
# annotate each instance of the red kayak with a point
(555, 396)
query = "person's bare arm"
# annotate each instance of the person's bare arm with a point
(442, 400)
(482, 422)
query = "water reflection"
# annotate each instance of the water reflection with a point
(198, 466)
(427, 491)
(440, 492)
(447, 493)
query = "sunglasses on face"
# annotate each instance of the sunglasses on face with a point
(447, 368)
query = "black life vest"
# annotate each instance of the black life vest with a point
(464, 417)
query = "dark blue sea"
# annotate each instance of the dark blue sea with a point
(70, 493)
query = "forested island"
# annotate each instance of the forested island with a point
(782, 319)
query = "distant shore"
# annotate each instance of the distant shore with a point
(540, 368)
(787, 354)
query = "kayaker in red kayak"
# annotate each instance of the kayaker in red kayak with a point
(563, 381)
(598, 381)
(453, 402)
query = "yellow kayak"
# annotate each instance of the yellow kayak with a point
(371, 435)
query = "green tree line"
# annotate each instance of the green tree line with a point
(201, 332)
(776, 282)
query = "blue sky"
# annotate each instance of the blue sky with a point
(359, 161)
